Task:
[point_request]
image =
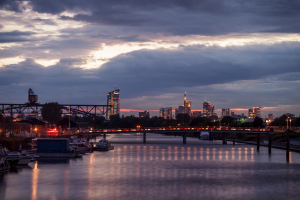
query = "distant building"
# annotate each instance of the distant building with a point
(144, 114)
(196, 114)
(226, 112)
(113, 100)
(251, 114)
(166, 113)
(271, 117)
(208, 110)
(254, 112)
(186, 108)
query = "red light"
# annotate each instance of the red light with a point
(98, 131)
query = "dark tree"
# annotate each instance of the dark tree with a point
(51, 112)
(258, 122)
(183, 118)
(64, 123)
(201, 121)
(227, 120)
(115, 121)
(2, 119)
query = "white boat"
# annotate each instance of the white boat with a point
(23, 159)
(102, 145)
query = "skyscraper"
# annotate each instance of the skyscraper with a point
(186, 108)
(226, 112)
(166, 113)
(113, 100)
(208, 110)
(144, 114)
(255, 112)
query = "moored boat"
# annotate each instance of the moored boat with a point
(102, 145)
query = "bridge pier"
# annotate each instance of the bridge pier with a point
(269, 143)
(144, 138)
(104, 136)
(287, 146)
(224, 138)
(233, 141)
(258, 141)
(184, 137)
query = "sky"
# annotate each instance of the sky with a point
(237, 54)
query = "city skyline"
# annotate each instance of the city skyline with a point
(239, 55)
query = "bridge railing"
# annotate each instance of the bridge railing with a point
(190, 128)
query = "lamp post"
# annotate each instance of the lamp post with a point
(290, 123)
(287, 123)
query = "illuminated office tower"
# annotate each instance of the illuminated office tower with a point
(186, 108)
(256, 111)
(166, 113)
(144, 114)
(113, 100)
(226, 112)
(251, 114)
(208, 110)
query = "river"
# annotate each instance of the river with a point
(164, 168)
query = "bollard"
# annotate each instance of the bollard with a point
(269, 144)
(144, 138)
(258, 141)
(184, 137)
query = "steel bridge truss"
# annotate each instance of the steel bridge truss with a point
(94, 111)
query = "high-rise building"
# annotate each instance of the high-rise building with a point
(226, 112)
(186, 108)
(255, 112)
(271, 117)
(208, 110)
(144, 114)
(196, 114)
(114, 101)
(166, 113)
(251, 114)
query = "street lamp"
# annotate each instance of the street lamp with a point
(291, 124)
(287, 123)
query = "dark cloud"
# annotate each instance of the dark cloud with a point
(15, 36)
(10, 5)
(206, 17)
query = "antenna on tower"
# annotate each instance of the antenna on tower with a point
(205, 99)
(115, 87)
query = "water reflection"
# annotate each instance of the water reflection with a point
(172, 171)
(35, 177)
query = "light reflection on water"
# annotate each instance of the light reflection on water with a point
(199, 169)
